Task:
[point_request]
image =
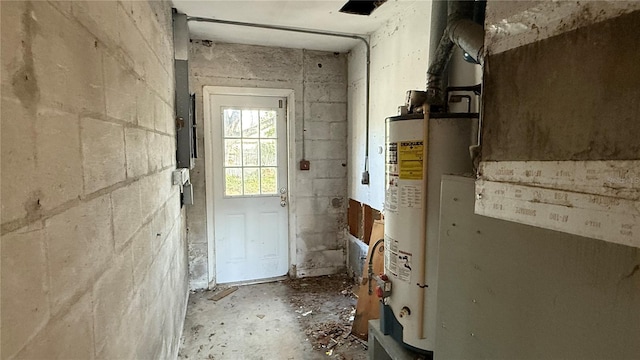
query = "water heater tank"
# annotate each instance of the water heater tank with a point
(416, 157)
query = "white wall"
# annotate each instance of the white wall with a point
(399, 62)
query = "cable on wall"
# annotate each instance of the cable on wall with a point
(365, 174)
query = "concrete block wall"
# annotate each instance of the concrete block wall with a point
(319, 81)
(93, 242)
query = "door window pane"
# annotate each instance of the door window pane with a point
(233, 181)
(232, 153)
(250, 152)
(249, 123)
(231, 123)
(269, 180)
(268, 153)
(251, 181)
(267, 124)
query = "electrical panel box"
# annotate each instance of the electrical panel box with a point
(186, 147)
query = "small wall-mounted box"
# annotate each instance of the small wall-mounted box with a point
(181, 177)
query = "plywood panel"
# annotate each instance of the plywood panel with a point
(367, 307)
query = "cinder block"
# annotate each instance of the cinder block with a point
(165, 184)
(326, 150)
(247, 61)
(331, 112)
(145, 105)
(160, 118)
(156, 150)
(150, 341)
(197, 232)
(322, 66)
(326, 92)
(149, 200)
(100, 17)
(70, 337)
(171, 123)
(332, 258)
(198, 271)
(304, 187)
(317, 130)
(67, 62)
(127, 214)
(320, 205)
(159, 228)
(120, 90)
(142, 255)
(25, 286)
(309, 224)
(151, 29)
(157, 77)
(168, 150)
(338, 131)
(59, 158)
(13, 33)
(132, 42)
(310, 242)
(80, 243)
(64, 6)
(329, 169)
(136, 152)
(330, 187)
(103, 154)
(18, 144)
(111, 295)
(173, 208)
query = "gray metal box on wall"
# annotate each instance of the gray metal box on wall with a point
(513, 291)
(186, 150)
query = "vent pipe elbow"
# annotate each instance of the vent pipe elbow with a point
(462, 31)
(469, 36)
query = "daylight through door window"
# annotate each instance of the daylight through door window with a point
(250, 152)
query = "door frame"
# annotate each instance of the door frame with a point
(207, 92)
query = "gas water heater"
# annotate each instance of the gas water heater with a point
(419, 149)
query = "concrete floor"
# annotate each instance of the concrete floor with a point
(291, 319)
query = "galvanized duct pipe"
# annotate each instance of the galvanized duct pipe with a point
(461, 30)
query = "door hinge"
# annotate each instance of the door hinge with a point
(280, 104)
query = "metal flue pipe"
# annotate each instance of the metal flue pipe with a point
(462, 31)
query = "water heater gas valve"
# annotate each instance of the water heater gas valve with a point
(383, 290)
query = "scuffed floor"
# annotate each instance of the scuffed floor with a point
(292, 319)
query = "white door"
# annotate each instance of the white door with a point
(250, 187)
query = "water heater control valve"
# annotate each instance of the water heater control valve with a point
(383, 290)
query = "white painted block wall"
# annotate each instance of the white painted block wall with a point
(93, 237)
(399, 62)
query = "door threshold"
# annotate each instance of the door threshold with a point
(257, 281)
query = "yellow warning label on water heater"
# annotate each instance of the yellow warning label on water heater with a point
(410, 159)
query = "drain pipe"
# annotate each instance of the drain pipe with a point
(462, 31)
(365, 174)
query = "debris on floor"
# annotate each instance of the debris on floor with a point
(307, 319)
(330, 303)
(222, 293)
